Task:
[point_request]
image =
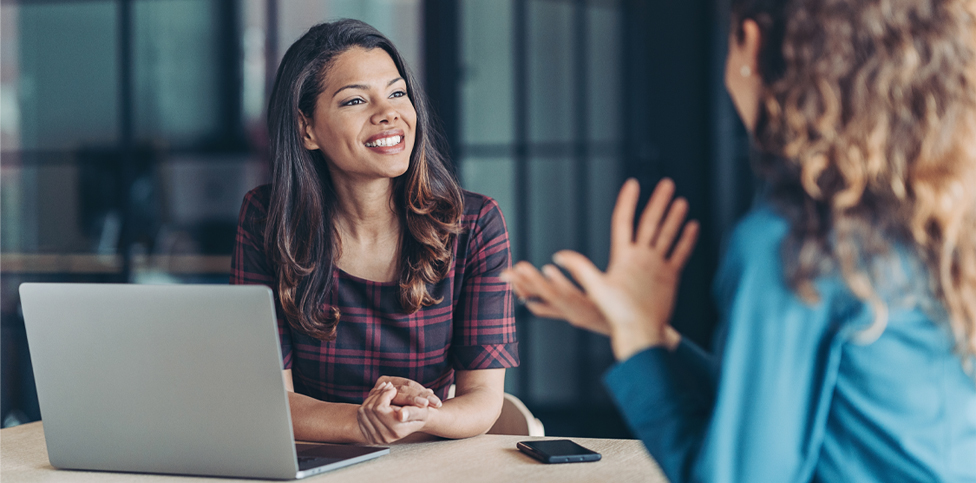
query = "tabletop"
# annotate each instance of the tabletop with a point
(23, 458)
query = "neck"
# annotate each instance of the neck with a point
(366, 212)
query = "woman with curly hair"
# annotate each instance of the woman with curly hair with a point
(385, 272)
(847, 342)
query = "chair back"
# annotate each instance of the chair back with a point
(516, 419)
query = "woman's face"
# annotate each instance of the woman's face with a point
(364, 123)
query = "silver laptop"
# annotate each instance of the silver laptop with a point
(179, 379)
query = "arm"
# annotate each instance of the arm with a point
(395, 408)
(778, 365)
(483, 344)
(314, 420)
(473, 411)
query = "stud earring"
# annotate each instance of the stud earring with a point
(745, 71)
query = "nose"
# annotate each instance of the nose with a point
(385, 113)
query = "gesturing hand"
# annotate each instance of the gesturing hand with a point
(636, 294)
(553, 296)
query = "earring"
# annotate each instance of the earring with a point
(745, 71)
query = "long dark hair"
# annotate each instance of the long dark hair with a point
(867, 128)
(301, 233)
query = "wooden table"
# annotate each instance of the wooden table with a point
(23, 458)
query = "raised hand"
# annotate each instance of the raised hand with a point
(636, 294)
(550, 294)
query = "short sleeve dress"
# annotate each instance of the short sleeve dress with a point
(473, 327)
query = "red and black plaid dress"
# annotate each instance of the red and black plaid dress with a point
(472, 328)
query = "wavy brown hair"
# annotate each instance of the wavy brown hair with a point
(867, 129)
(301, 233)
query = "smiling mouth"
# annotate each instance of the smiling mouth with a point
(387, 141)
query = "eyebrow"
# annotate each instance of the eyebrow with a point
(364, 86)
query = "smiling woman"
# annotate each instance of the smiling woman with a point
(364, 121)
(365, 222)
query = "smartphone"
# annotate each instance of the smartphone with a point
(558, 451)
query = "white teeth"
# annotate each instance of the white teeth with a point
(390, 141)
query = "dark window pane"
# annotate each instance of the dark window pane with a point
(68, 74)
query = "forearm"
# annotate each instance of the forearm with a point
(315, 420)
(660, 410)
(466, 415)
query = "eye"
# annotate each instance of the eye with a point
(353, 102)
(399, 94)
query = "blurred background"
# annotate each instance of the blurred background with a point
(131, 130)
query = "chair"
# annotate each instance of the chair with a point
(515, 418)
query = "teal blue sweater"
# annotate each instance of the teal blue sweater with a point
(791, 395)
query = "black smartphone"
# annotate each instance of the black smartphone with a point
(558, 451)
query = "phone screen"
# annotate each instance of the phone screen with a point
(558, 451)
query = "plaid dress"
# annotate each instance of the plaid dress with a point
(472, 328)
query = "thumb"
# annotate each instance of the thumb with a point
(387, 392)
(581, 268)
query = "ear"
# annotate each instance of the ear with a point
(750, 44)
(308, 134)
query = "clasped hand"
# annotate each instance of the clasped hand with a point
(395, 407)
(632, 301)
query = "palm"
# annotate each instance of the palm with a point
(636, 293)
(553, 296)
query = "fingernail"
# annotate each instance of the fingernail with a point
(504, 277)
(403, 415)
(557, 258)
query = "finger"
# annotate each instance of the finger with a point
(367, 427)
(410, 398)
(580, 267)
(433, 400)
(411, 414)
(380, 396)
(522, 288)
(622, 220)
(386, 395)
(672, 223)
(379, 421)
(686, 244)
(651, 218)
(560, 283)
(515, 278)
(544, 310)
(376, 389)
(537, 286)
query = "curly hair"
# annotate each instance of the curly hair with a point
(867, 129)
(301, 233)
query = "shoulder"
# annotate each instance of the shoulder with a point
(484, 235)
(481, 212)
(477, 205)
(256, 201)
(254, 209)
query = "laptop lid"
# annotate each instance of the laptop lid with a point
(182, 379)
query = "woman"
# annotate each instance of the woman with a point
(385, 272)
(848, 296)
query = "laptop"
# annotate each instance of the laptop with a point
(176, 379)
